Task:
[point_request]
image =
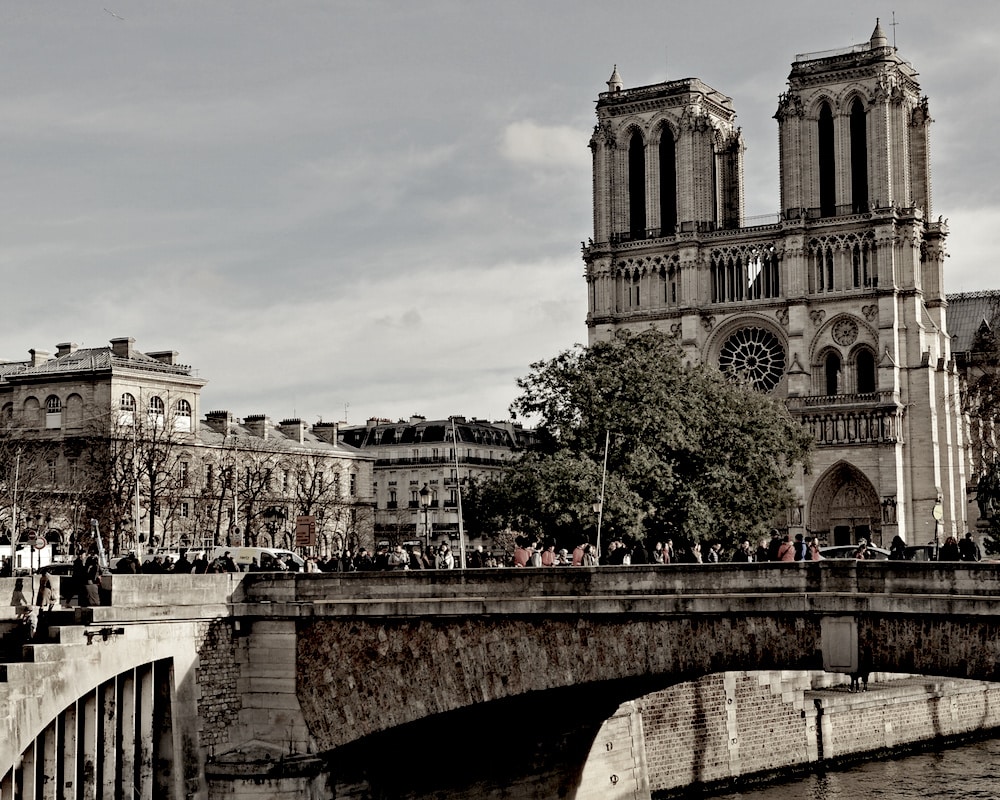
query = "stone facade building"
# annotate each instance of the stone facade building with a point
(837, 305)
(116, 435)
(422, 464)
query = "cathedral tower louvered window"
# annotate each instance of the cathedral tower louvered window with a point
(637, 187)
(827, 164)
(859, 158)
(668, 183)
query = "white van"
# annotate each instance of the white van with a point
(269, 559)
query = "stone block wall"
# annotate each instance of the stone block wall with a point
(721, 727)
(739, 725)
(218, 674)
(904, 712)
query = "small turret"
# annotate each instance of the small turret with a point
(878, 39)
(615, 81)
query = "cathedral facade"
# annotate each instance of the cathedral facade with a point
(836, 305)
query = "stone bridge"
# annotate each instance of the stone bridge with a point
(488, 683)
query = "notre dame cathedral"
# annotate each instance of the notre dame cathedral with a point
(837, 304)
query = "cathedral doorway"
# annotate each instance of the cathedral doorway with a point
(845, 507)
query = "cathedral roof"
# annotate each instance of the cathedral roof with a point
(966, 314)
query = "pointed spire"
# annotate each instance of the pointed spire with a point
(878, 37)
(615, 81)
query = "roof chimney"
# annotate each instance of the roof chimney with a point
(38, 357)
(123, 347)
(327, 431)
(258, 425)
(294, 429)
(65, 349)
(219, 421)
(164, 356)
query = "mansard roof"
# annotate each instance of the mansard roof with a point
(967, 312)
(418, 430)
(90, 360)
(240, 435)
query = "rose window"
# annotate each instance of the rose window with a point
(755, 355)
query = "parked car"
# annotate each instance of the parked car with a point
(848, 551)
(267, 558)
(919, 552)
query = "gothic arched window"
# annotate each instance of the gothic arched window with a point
(668, 183)
(832, 371)
(865, 362)
(637, 187)
(859, 158)
(827, 164)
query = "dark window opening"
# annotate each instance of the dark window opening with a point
(866, 372)
(827, 164)
(832, 374)
(668, 184)
(637, 187)
(859, 159)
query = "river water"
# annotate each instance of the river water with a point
(956, 773)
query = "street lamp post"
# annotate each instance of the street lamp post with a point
(938, 514)
(425, 504)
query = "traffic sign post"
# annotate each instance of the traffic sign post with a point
(305, 531)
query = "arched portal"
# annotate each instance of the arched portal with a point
(845, 507)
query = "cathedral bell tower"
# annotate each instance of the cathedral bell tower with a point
(836, 304)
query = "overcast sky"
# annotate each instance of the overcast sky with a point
(376, 208)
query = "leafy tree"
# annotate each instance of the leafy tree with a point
(690, 453)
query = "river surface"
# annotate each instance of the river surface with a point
(965, 772)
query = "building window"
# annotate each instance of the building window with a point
(867, 382)
(832, 372)
(156, 411)
(668, 183)
(637, 186)
(859, 158)
(50, 467)
(185, 510)
(827, 163)
(633, 292)
(209, 477)
(183, 470)
(182, 420)
(126, 409)
(754, 355)
(354, 484)
(53, 412)
(744, 274)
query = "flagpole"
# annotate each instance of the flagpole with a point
(458, 484)
(604, 478)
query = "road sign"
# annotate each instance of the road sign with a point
(40, 543)
(32, 536)
(305, 531)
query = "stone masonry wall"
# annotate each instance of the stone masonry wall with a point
(218, 672)
(737, 725)
(720, 727)
(905, 711)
